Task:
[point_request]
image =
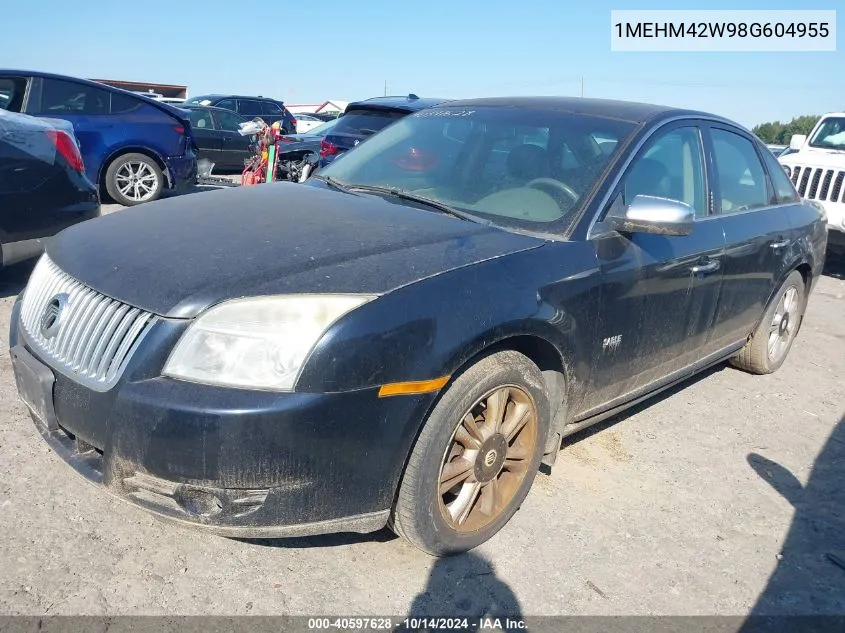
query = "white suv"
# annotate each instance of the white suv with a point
(817, 170)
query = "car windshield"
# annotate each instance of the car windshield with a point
(830, 135)
(520, 168)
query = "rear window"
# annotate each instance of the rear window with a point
(366, 122)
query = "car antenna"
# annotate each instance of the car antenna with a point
(412, 96)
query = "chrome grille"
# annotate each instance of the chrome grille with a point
(819, 183)
(77, 330)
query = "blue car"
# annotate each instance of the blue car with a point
(362, 119)
(133, 147)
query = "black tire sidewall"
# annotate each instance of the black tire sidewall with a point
(507, 368)
(111, 184)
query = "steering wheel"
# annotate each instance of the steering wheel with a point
(557, 185)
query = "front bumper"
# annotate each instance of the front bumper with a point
(233, 462)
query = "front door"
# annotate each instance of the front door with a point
(757, 234)
(659, 292)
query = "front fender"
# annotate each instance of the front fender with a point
(435, 326)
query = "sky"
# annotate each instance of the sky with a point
(308, 52)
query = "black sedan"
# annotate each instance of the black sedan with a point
(215, 131)
(43, 186)
(405, 338)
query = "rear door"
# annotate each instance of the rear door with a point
(235, 149)
(208, 140)
(659, 292)
(757, 229)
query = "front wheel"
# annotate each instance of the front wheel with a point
(476, 457)
(134, 178)
(770, 343)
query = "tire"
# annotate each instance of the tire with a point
(423, 512)
(147, 173)
(770, 343)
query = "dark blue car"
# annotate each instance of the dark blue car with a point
(362, 119)
(133, 147)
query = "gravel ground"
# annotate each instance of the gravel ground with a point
(723, 496)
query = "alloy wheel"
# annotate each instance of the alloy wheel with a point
(136, 180)
(784, 324)
(487, 458)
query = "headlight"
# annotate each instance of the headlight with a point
(257, 343)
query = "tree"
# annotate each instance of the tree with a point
(777, 133)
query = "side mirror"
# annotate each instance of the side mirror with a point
(660, 216)
(797, 141)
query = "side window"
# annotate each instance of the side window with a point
(670, 166)
(249, 107)
(200, 120)
(784, 190)
(271, 108)
(121, 104)
(228, 104)
(228, 121)
(11, 93)
(742, 180)
(68, 97)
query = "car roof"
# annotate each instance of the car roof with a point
(197, 106)
(623, 110)
(221, 96)
(170, 109)
(407, 103)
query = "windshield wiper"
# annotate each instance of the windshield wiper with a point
(331, 182)
(434, 204)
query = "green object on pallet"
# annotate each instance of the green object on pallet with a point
(271, 162)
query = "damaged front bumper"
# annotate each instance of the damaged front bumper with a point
(229, 461)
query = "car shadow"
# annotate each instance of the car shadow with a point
(465, 586)
(809, 580)
(13, 278)
(323, 540)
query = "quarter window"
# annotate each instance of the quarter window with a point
(741, 178)
(671, 166)
(784, 191)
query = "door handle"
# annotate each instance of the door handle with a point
(706, 267)
(779, 244)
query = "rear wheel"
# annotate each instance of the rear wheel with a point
(771, 341)
(134, 178)
(476, 457)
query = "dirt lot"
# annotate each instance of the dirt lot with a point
(722, 497)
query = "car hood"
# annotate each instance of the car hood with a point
(176, 257)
